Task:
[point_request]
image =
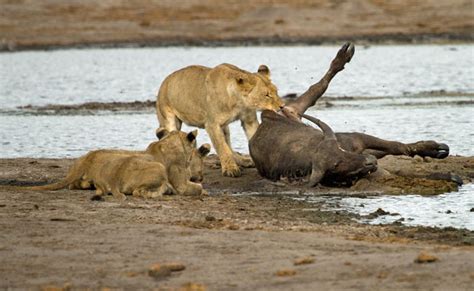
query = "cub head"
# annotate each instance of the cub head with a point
(175, 145)
(196, 164)
(257, 90)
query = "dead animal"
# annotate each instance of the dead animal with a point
(283, 146)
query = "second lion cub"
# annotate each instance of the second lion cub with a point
(211, 98)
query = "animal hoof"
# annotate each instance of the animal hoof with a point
(443, 151)
(344, 55)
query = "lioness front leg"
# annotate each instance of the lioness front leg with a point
(225, 153)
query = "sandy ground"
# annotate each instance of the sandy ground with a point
(31, 24)
(225, 241)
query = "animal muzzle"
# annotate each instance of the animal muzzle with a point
(370, 164)
(196, 178)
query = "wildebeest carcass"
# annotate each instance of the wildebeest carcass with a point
(283, 146)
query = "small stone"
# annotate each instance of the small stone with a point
(234, 227)
(193, 287)
(428, 159)
(303, 261)
(97, 198)
(449, 211)
(285, 272)
(175, 266)
(210, 218)
(378, 212)
(418, 159)
(425, 257)
(472, 209)
(159, 271)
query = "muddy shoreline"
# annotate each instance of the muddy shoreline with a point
(49, 24)
(225, 241)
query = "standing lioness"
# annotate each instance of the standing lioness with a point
(211, 98)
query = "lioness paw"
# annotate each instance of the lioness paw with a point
(231, 170)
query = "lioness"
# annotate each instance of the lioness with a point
(173, 152)
(211, 98)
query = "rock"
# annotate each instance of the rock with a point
(210, 218)
(192, 287)
(175, 266)
(449, 211)
(285, 273)
(428, 159)
(377, 213)
(303, 261)
(425, 257)
(418, 159)
(233, 227)
(472, 209)
(159, 271)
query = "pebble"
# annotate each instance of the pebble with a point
(303, 261)
(418, 159)
(472, 209)
(425, 257)
(159, 271)
(285, 272)
(193, 287)
(175, 266)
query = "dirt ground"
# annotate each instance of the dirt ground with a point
(31, 24)
(225, 241)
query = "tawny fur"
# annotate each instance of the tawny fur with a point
(211, 98)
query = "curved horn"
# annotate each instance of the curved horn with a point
(328, 133)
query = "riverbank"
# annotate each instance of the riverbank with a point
(29, 25)
(224, 241)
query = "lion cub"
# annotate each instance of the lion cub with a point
(211, 98)
(167, 166)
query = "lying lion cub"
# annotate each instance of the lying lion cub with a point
(211, 98)
(163, 168)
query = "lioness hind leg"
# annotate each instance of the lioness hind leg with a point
(166, 117)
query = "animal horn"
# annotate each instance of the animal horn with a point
(328, 133)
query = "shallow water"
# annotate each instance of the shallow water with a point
(446, 210)
(77, 76)
(395, 83)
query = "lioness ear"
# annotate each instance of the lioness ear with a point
(264, 70)
(204, 149)
(161, 132)
(192, 135)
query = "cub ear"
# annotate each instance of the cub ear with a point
(204, 149)
(192, 135)
(161, 132)
(264, 70)
(240, 80)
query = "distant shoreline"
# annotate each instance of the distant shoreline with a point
(381, 39)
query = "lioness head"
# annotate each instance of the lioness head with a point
(257, 90)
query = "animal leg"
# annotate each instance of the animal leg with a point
(250, 124)
(225, 153)
(166, 117)
(309, 98)
(118, 195)
(360, 142)
(179, 180)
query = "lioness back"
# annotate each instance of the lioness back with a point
(184, 92)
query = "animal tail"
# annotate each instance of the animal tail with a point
(70, 178)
